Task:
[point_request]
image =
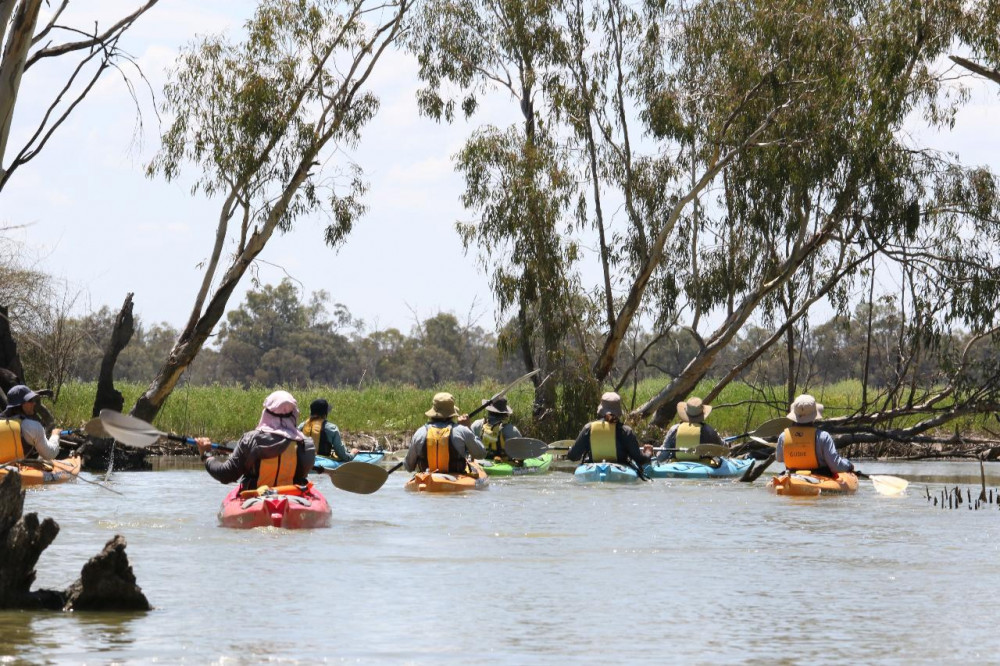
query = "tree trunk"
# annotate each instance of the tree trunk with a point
(22, 29)
(10, 363)
(107, 396)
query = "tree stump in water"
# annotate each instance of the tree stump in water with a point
(101, 454)
(106, 581)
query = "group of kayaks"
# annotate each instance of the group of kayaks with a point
(297, 507)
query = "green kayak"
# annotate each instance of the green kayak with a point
(538, 465)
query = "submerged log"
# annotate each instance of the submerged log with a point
(106, 581)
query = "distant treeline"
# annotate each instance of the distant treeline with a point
(274, 338)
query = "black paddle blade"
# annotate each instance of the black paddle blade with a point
(521, 448)
(128, 429)
(358, 477)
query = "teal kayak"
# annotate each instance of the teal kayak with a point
(688, 469)
(605, 472)
(538, 465)
(373, 457)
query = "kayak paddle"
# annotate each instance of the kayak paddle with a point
(138, 433)
(771, 428)
(360, 477)
(885, 484)
(520, 448)
(503, 392)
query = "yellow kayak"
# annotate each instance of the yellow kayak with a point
(807, 484)
(43, 472)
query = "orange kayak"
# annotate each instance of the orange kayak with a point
(43, 472)
(436, 482)
(805, 484)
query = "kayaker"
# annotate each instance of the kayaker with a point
(496, 428)
(691, 431)
(608, 439)
(445, 441)
(21, 435)
(804, 447)
(325, 435)
(275, 453)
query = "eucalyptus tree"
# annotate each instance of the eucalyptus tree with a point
(259, 118)
(517, 177)
(796, 113)
(25, 43)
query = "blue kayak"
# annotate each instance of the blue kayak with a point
(373, 457)
(688, 469)
(605, 472)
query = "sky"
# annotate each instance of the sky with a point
(93, 219)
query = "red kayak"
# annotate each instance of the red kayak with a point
(291, 507)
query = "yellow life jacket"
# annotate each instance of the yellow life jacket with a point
(493, 439)
(279, 470)
(438, 449)
(11, 446)
(800, 448)
(688, 437)
(314, 428)
(602, 441)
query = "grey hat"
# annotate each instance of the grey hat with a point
(498, 406)
(611, 403)
(805, 409)
(20, 394)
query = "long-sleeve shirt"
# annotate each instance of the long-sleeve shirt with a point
(708, 436)
(826, 453)
(253, 447)
(626, 446)
(509, 430)
(33, 437)
(462, 439)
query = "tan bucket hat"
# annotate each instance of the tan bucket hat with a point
(693, 411)
(611, 403)
(443, 407)
(805, 409)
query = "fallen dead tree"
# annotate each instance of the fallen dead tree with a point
(106, 581)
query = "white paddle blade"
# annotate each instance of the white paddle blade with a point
(888, 485)
(129, 430)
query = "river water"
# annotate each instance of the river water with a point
(532, 570)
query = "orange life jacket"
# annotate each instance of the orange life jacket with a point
(438, 449)
(800, 448)
(602, 441)
(279, 470)
(11, 446)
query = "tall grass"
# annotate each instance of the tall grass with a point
(394, 412)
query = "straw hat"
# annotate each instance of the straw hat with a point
(443, 407)
(611, 403)
(805, 409)
(693, 411)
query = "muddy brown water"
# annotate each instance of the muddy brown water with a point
(532, 570)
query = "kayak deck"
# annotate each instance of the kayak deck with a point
(44, 472)
(437, 482)
(538, 465)
(605, 472)
(305, 509)
(805, 484)
(685, 469)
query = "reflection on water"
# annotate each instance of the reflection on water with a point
(534, 570)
